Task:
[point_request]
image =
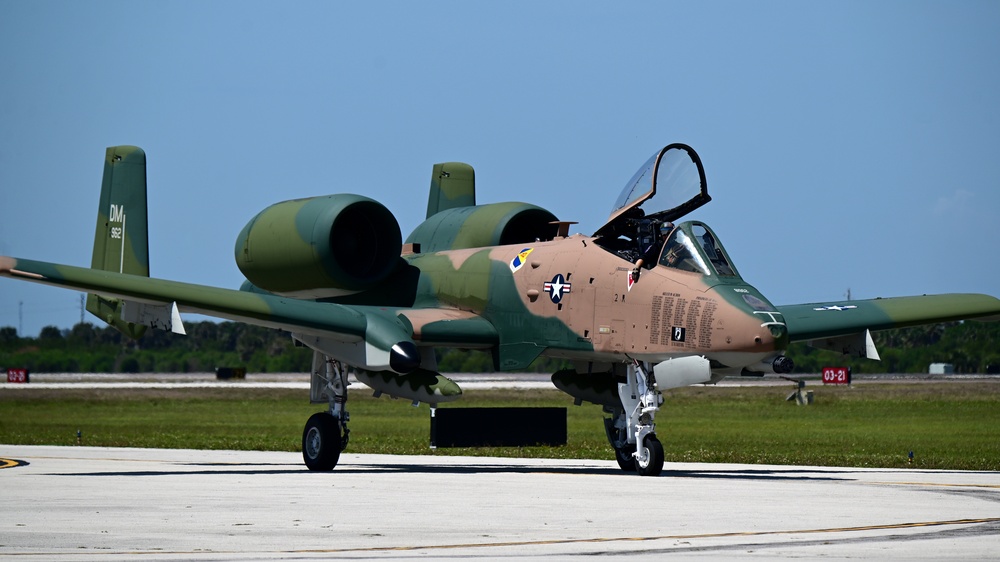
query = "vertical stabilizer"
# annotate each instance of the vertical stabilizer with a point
(453, 184)
(121, 240)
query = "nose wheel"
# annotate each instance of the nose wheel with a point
(649, 462)
(631, 430)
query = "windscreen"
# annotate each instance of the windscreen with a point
(693, 247)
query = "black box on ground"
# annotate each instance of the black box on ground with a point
(497, 427)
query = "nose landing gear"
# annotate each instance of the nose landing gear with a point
(632, 430)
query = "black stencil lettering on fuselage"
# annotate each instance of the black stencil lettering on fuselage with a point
(666, 318)
(670, 313)
(707, 321)
(654, 320)
(693, 315)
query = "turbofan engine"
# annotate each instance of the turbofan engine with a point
(496, 224)
(320, 246)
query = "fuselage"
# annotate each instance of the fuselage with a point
(571, 298)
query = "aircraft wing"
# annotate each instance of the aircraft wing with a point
(844, 326)
(379, 328)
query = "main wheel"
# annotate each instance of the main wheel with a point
(625, 459)
(321, 441)
(650, 463)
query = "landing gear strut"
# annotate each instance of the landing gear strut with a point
(326, 433)
(632, 429)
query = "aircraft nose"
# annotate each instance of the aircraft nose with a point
(773, 335)
(780, 334)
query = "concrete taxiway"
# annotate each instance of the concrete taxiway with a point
(82, 503)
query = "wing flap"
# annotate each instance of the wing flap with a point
(854, 345)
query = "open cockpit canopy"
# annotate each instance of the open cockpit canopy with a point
(672, 182)
(668, 186)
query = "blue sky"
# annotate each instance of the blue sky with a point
(848, 145)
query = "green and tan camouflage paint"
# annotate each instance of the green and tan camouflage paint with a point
(482, 226)
(453, 185)
(565, 297)
(121, 239)
(320, 246)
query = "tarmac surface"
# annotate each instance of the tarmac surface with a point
(84, 503)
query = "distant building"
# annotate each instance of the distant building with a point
(941, 369)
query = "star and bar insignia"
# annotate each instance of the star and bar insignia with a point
(557, 287)
(836, 307)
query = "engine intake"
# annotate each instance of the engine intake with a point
(320, 247)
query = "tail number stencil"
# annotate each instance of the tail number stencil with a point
(117, 214)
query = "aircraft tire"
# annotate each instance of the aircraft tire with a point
(625, 459)
(321, 441)
(654, 464)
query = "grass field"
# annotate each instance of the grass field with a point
(946, 425)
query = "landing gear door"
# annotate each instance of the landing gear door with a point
(668, 186)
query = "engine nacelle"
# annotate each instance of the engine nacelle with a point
(320, 246)
(496, 224)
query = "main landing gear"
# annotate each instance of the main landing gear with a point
(326, 433)
(631, 430)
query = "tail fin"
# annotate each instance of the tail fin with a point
(121, 240)
(453, 184)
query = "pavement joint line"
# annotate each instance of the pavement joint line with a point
(672, 537)
(937, 484)
(594, 540)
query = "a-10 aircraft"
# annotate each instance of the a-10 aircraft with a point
(644, 305)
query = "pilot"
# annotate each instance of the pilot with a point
(653, 238)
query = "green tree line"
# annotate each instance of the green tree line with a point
(208, 345)
(972, 347)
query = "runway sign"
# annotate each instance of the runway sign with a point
(18, 375)
(836, 375)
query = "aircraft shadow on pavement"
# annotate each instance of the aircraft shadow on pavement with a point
(751, 474)
(252, 469)
(429, 467)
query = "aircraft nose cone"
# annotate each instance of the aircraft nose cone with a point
(404, 357)
(780, 334)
